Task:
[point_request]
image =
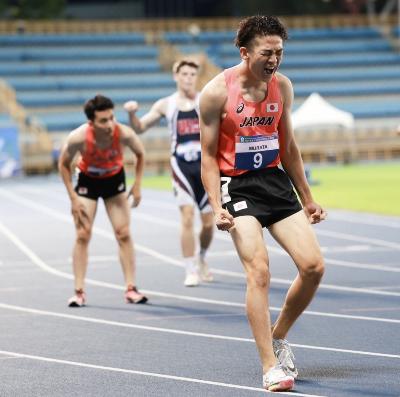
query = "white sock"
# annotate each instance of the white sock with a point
(190, 264)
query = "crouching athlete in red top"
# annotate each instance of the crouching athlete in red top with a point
(100, 143)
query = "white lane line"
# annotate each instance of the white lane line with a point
(332, 349)
(150, 374)
(366, 220)
(353, 248)
(347, 248)
(181, 332)
(360, 239)
(218, 235)
(372, 309)
(332, 262)
(121, 324)
(36, 260)
(222, 236)
(175, 262)
(280, 251)
(392, 287)
(366, 266)
(329, 233)
(8, 358)
(187, 316)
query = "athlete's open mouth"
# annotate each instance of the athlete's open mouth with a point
(269, 70)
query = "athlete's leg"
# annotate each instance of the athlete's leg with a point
(297, 237)
(119, 214)
(80, 250)
(206, 234)
(207, 230)
(188, 244)
(249, 241)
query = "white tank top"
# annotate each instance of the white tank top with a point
(184, 129)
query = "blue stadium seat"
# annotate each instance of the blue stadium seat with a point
(67, 121)
(343, 74)
(349, 88)
(80, 52)
(329, 60)
(64, 70)
(143, 80)
(316, 46)
(178, 37)
(334, 33)
(78, 98)
(77, 67)
(73, 39)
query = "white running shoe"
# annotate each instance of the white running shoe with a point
(191, 279)
(204, 271)
(285, 356)
(276, 380)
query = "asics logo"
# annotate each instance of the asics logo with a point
(240, 108)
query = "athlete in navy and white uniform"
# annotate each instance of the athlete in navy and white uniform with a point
(181, 110)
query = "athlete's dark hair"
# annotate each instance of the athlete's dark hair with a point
(259, 25)
(98, 103)
(184, 62)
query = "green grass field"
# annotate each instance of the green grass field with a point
(361, 187)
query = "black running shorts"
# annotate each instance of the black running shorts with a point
(93, 188)
(266, 194)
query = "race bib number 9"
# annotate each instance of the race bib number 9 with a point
(255, 152)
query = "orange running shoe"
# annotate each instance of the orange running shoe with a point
(78, 300)
(132, 295)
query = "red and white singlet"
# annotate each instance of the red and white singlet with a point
(101, 163)
(248, 138)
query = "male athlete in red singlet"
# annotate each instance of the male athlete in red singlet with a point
(249, 161)
(100, 143)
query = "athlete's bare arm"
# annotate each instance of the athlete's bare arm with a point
(212, 102)
(131, 140)
(290, 154)
(74, 145)
(153, 116)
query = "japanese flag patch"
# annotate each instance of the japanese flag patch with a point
(272, 107)
(241, 205)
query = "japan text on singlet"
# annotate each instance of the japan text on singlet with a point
(248, 138)
(101, 163)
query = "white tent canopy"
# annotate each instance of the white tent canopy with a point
(316, 111)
